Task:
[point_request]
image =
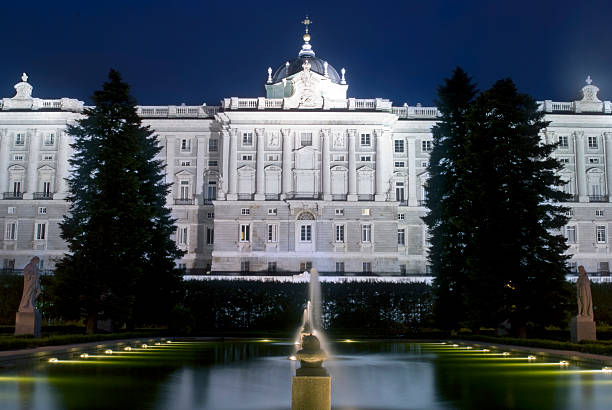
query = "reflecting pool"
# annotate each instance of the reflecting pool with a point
(257, 375)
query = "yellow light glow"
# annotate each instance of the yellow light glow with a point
(168, 341)
(53, 360)
(84, 355)
(292, 358)
(297, 343)
(144, 346)
(348, 341)
(265, 340)
(127, 348)
(531, 358)
(607, 370)
(157, 344)
(108, 351)
(469, 347)
(505, 354)
(455, 345)
(563, 363)
(485, 350)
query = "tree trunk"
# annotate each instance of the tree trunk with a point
(91, 324)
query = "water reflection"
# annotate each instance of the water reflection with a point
(257, 375)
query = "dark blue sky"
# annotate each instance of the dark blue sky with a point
(202, 51)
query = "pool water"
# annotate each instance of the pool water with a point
(257, 375)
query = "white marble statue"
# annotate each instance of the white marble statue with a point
(31, 286)
(583, 291)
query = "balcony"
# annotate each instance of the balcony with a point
(598, 198)
(12, 195)
(245, 197)
(184, 201)
(365, 197)
(339, 197)
(43, 195)
(272, 197)
(208, 201)
(402, 202)
(303, 195)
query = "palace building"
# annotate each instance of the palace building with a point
(305, 176)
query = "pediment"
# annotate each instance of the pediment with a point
(246, 168)
(339, 168)
(365, 168)
(184, 173)
(272, 168)
(46, 168)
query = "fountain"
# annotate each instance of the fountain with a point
(311, 385)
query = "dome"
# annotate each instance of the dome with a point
(295, 66)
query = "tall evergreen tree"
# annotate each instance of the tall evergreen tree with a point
(514, 257)
(446, 200)
(120, 263)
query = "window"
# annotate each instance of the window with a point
(604, 267)
(401, 237)
(398, 145)
(48, 157)
(9, 264)
(340, 233)
(365, 140)
(181, 266)
(244, 267)
(338, 157)
(305, 266)
(366, 233)
(245, 211)
(181, 235)
(563, 141)
(245, 233)
(210, 215)
(601, 233)
(365, 212)
(402, 270)
(185, 145)
(570, 212)
(212, 191)
(339, 211)
(184, 189)
(306, 233)
(593, 160)
(11, 210)
(564, 160)
(247, 157)
(593, 142)
(365, 158)
(272, 157)
(339, 267)
(271, 267)
(213, 163)
(424, 164)
(599, 212)
(40, 233)
(20, 139)
(401, 217)
(247, 138)
(426, 146)
(42, 210)
(573, 267)
(306, 139)
(18, 157)
(210, 236)
(49, 139)
(46, 188)
(185, 163)
(213, 145)
(399, 164)
(272, 211)
(10, 232)
(366, 267)
(272, 232)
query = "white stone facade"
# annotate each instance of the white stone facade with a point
(303, 177)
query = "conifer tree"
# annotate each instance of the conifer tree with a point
(514, 255)
(446, 200)
(121, 257)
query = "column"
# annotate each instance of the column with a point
(32, 179)
(352, 177)
(325, 168)
(287, 172)
(170, 153)
(200, 168)
(225, 164)
(580, 171)
(4, 160)
(549, 137)
(412, 179)
(61, 161)
(260, 190)
(381, 187)
(608, 159)
(233, 167)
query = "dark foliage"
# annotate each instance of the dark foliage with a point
(121, 260)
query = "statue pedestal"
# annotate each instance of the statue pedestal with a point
(311, 393)
(582, 328)
(28, 323)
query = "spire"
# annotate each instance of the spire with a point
(306, 47)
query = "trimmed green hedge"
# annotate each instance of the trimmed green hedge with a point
(24, 342)
(597, 347)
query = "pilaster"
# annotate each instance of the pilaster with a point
(325, 168)
(580, 171)
(608, 152)
(380, 166)
(412, 179)
(233, 166)
(4, 160)
(260, 193)
(61, 171)
(170, 155)
(224, 183)
(352, 177)
(287, 154)
(200, 167)
(32, 164)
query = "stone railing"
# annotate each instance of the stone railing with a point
(35, 104)
(575, 107)
(417, 112)
(262, 103)
(177, 111)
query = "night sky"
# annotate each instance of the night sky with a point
(198, 52)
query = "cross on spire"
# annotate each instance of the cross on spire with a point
(588, 80)
(306, 22)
